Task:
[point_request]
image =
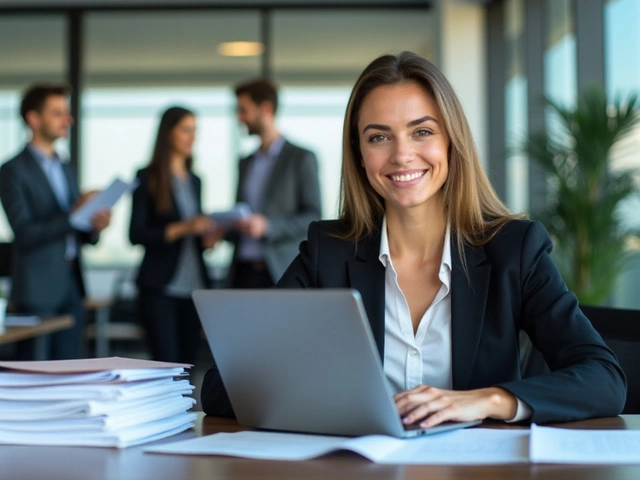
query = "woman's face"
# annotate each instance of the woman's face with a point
(183, 135)
(404, 145)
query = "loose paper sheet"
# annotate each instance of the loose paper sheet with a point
(106, 199)
(476, 446)
(563, 445)
(87, 365)
(229, 217)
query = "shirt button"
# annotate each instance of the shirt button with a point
(414, 352)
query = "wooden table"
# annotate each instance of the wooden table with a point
(37, 332)
(71, 463)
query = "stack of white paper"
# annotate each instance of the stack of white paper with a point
(109, 402)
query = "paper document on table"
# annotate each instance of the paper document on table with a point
(115, 421)
(18, 379)
(563, 445)
(108, 391)
(51, 409)
(88, 365)
(475, 446)
(107, 198)
(229, 217)
(126, 437)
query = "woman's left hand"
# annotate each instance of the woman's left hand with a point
(431, 406)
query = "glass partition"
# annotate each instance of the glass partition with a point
(33, 51)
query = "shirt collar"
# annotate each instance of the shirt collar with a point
(41, 156)
(385, 254)
(274, 149)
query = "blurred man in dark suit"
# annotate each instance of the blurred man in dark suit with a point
(39, 192)
(280, 184)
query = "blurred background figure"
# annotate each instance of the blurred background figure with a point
(280, 184)
(39, 191)
(167, 220)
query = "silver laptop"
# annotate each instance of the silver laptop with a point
(301, 360)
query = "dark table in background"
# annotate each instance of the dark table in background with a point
(37, 332)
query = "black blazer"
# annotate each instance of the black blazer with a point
(512, 285)
(40, 228)
(147, 228)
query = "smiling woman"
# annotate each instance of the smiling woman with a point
(448, 277)
(404, 148)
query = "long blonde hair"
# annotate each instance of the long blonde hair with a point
(472, 207)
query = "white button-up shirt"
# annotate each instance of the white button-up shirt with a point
(424, 358)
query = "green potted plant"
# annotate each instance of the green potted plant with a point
(584, 192)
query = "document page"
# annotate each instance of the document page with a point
(229, 217)
(87, 365)
(473, 446)
(478, 446)
(107, 198)
(125, 437)
(107, 391)
(251, 444)
(563, 445)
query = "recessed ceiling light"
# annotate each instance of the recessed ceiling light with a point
(240, 49)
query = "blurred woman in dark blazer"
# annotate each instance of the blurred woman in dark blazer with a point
(167, 220)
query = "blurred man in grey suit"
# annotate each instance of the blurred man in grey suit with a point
(280, 184)
(38, 193)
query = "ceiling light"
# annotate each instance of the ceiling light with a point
(240, 49)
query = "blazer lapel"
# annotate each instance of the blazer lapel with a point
(242, 174)
(468, 306)
(366, 274)
(39, 178)
(72, 186)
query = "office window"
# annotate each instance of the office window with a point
(622, 70)
(312, 117)
(168, 48)
(560, 83)
(317, 57)
(516, 111)
(33, 51)
(158, 60)
(560, 67)
(622, 76)
(332, 47)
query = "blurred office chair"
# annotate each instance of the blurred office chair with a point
(115, 319)
(620, 329)
(6, 249)
(5, 259)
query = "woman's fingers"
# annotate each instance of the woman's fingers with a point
(425, 410)
(422, 398)
(431, 406)
(449, 413)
